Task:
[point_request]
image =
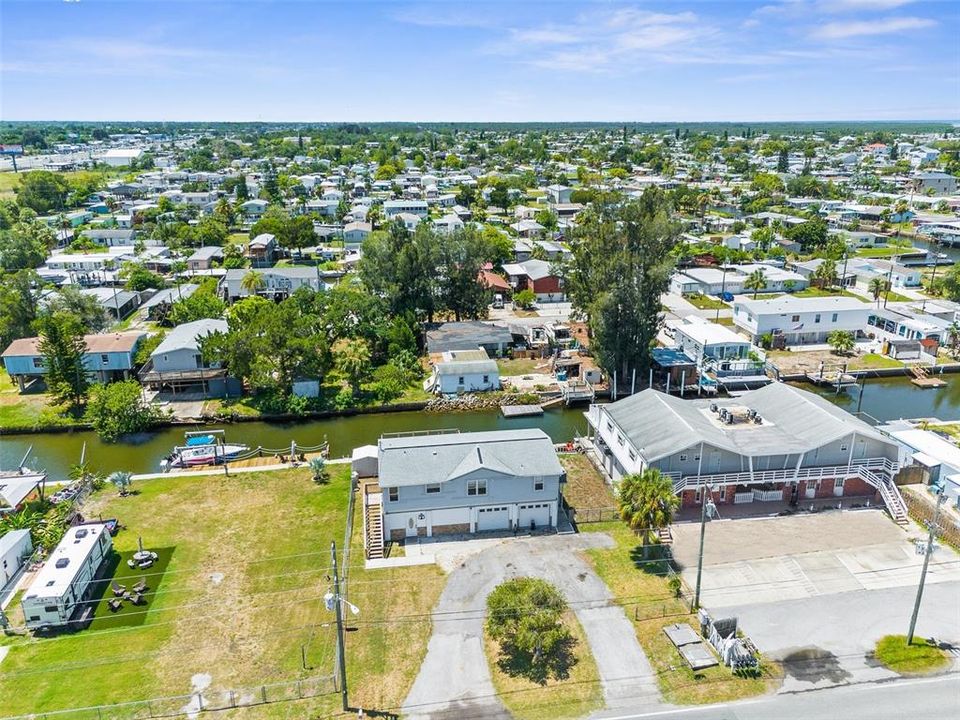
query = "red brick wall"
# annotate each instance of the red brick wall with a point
(549, 284)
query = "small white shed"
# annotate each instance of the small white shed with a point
(15, 548)
(364, 461)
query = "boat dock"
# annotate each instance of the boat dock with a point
(921, 378)
(515, 411)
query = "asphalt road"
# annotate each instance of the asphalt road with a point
(937, 697)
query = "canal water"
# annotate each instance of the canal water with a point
(883, 399)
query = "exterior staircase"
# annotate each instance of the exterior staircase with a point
(890, 494)
(665, 536)
(373, 529)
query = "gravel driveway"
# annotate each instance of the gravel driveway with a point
(454, 680)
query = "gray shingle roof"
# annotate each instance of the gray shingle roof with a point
(439, 458)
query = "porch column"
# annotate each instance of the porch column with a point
(750, 466)
(796, 470)
(853, 442)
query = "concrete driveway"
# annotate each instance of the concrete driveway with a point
(454, 679)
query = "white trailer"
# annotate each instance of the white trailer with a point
(15, 549)
(66, 580)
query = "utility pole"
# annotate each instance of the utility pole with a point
(704, 489)
(926, 561)
(338, 608)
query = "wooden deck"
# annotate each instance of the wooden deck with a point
(513, 411)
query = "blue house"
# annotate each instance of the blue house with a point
(109, 356)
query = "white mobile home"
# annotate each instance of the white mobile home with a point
(66, 579)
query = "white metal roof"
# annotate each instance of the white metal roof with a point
(53, 581)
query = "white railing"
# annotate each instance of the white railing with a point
(768, 495)
(741, 498)
(785, 475)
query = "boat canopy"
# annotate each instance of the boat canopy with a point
(200, 440)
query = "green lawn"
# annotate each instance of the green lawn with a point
(829, 292)
(919, 658)
(573, 697)
(642, 588)
(29, 410)
(871, 361)
(238, 594)
(705, 302)
(521, 366)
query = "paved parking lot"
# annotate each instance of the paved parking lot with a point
(804, 556)
(816, 592)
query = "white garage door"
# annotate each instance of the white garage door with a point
(493, 518)
(538, 513)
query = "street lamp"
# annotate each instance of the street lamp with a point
(941, 499)
(707, 508)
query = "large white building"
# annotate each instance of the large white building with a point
(801, 320)
(65, 582)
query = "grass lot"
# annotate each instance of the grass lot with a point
(585, 487)
(829, 292)
(29, 410)
(893, 296)
(919, 658)
(519, 366)
(705, 302)
(727, 321)
(809, 361)
(576, 696)
(642, 586)
(241, 595)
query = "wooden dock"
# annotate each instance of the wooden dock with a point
(515, 411)
(921, 378)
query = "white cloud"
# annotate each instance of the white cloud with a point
(859, 28)
(839, 6)
(436, 15)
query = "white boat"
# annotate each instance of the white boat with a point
(204, 448)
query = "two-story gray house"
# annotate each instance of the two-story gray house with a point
(778, 443)
(468, 482)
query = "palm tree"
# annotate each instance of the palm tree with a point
(757, 281)
(646, 502)
(317, 467)
(877, 287)
(841, 341)
(826, 273)
(121, 479)
(253, 282)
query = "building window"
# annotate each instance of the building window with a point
(843, 447)
(433, 488)
(696, 497)
(838, 483)
(104, 359)
(38, 362)
(486, 379)
(538, 484)
(477, 487)
(609, 425)
(723, 493)
(816, 318)
(833, 318)
(795, 318)
(393, 494)
(460, 380)
(632, 454)
(683, 458)
(619, 439)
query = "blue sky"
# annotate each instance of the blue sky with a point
(481, 61)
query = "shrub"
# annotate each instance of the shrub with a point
(119, 409)
(525, 616)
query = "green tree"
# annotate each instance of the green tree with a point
(877, 286)
(646, 502)
(119, 409)
(811, 234)
(525, 299)
(403, 269)
(25, 245)
(525, 617)
(42, 191)
(756, 281)
(352, 358)
(462, 256)
(621, 264)
(87, 308)
(140, 278)
(121, 480)
(201, 304)
(19, 297)
(253, 282)
(825, 276)
(841, 341)
(63, 348)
